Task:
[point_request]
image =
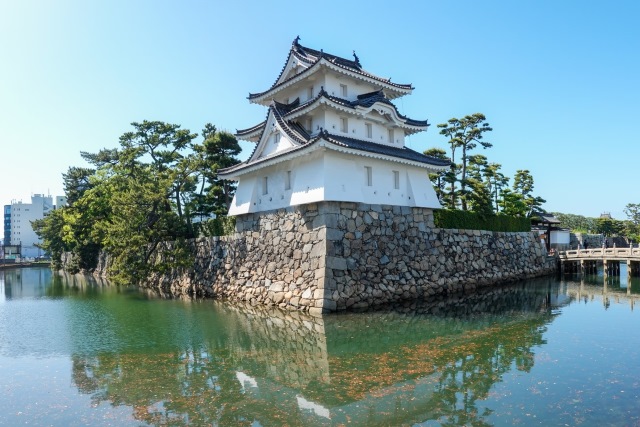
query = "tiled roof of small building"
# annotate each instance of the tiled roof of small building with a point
(312, 56)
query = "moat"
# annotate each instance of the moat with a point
(543, 352)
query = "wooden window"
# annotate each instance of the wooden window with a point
(344, 124)
(396, 180)
(368, 175)
(287, 180)
(265, 185)
(369, 130)
(309, 124)
(391, 136)
(310, 92)
(343, 90)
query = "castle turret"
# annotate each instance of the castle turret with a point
(331, 134)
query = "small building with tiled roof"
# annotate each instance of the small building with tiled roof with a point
(331, 134)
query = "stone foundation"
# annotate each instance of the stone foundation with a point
(335, 255)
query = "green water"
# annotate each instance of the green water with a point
(74, 352)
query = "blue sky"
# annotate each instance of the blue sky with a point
(559, 81)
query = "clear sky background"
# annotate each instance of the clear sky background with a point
(559, 81)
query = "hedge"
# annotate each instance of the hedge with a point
(466, 220)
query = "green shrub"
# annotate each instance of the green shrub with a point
(466, 220)
(219, 226)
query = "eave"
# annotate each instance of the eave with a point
(332, 142)
(251, 134)
(409, 125)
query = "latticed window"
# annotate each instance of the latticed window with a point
(368, 175)
(344, 124)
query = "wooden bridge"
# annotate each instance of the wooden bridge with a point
(610, 258)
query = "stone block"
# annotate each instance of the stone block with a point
(334, 234)
(329, 208)
(318, 250)
(367, 218)
(336, 263)
(329, 304)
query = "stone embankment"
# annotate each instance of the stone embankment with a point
(336, 255)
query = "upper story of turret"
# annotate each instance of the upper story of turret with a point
(307, 71)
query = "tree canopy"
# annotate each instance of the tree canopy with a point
(158, 186)
(476, 184)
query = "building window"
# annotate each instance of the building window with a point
(310, 92)
(369, 130)
(287, 180)
(343, 90)
(391, 136)
(265, 185)
(396, 180)
(368, 175)
(309, 124)
(344, 124)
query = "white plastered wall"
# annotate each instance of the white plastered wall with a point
(326, 175)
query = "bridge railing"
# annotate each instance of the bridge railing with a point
(608, 253)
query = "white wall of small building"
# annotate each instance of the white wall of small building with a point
(560, 237)
(327, 175)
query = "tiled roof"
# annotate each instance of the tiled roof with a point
(241, 132)
(296, 133)
(293, 129)
(365, 100)
(386, 150)
(312, 57)
(353, 144)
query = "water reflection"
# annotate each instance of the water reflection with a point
(404, 365)
(209, 363)
(24, 282)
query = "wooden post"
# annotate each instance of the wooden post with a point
(605, 272)
(581, 267)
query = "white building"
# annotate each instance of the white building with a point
(331, 134)
(21, 216)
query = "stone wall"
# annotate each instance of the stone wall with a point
(274, 258)
(595, 241)
(336, 255)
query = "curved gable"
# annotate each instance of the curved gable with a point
(272, 141)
